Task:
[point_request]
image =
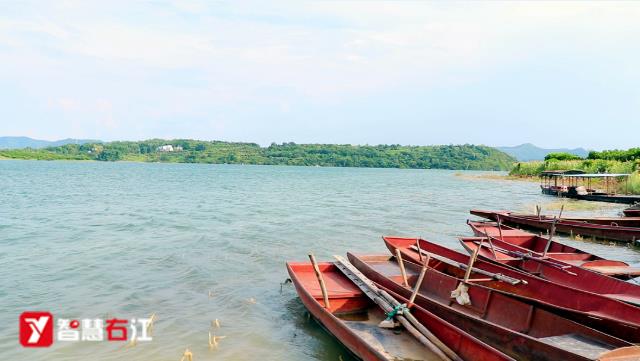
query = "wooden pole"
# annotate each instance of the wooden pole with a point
(561, 209)
(472, 260)
(626, 186)
(408, 318)
(419, 250)
(499, 230)
(551, 233)
(402, 270)
(493, 251)
(388, 303)
(323, 287)
(417, 285)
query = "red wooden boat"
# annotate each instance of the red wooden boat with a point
(633, 211)
(575, 277)
(521, 330)
(353, 319)
(612, 232)
(609, 221)
(603, 313)
(533, 245)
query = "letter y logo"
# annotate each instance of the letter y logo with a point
(36, 329)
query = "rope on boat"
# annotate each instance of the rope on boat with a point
(397, 310)
(287, 281)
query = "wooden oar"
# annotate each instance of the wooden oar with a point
(462, 266)
(500, 227)
(461, 293)
(551, 233)
(533, 258)
(402, 270)
(323, 287)
(416, 288)
(472, 260)
(389, 304)
(493, 250)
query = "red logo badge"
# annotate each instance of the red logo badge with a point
(36, 329)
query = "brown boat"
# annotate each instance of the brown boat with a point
(633, 211)
(578, 278)
(521, 330)
(597, 311)
(533, 247)
(610, 232)
(353, 318)
(609, 221)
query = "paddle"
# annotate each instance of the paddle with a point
(462, 266)
(460, 293)
(536, 259)
(551, 233)
(323, 287)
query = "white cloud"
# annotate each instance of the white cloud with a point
(186, 58)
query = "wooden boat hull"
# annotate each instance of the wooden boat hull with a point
(582, 279)
(598, 311)
(609, 221)
(525, 242)
(633, 211)
(493, 317)
(610, 198)
(365, 339)
(623, 234)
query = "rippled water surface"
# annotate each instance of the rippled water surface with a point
(194, 243)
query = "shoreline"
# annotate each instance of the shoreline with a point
(2, 158)
(497, 177)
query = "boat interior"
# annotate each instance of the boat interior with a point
(441, 279)
(359, 314)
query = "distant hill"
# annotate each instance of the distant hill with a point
(26, 142)
(526, 152)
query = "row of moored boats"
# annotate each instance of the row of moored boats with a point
(515, 296)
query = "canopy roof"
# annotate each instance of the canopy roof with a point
(557, 173)
(596, 175)
(575, 173)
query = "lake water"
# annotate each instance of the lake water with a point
(195, 243)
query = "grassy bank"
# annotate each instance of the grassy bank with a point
(524, 169)
(533, 170)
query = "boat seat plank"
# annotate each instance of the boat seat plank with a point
(577, 344)
(337, 285)
(614, 270)
(624, 298)
(390, 343)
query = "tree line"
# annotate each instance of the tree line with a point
(619, 155)
(467, 156)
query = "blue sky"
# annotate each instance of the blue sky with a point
(557, 74)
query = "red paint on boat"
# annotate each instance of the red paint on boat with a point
(520, 329)
(599, 311)
(352, 318)
(529, 243)
(611, 232)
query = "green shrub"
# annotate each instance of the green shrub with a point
(561, 156)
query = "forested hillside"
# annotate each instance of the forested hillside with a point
(193, 151)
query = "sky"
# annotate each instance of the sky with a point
(556, 74)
